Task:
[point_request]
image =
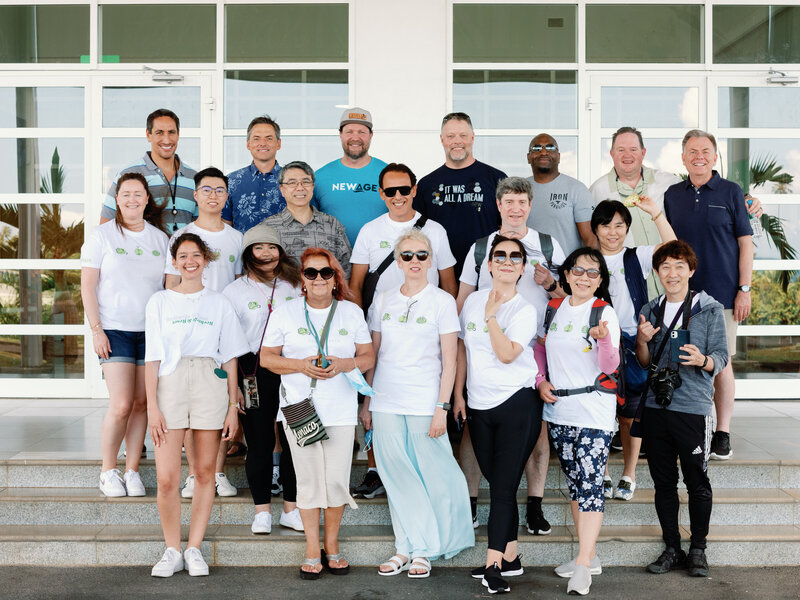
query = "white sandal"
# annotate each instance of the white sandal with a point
(397, 564)
(420, 562)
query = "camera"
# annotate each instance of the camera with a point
(664, 384)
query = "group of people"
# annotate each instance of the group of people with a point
(531, 312)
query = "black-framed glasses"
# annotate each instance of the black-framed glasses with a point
(311, 273)
(207, 190)
(407, 255)
(539, 147)
(500, 257)
(590, 273)
(391, 192)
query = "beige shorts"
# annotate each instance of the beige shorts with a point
(730, 330)
(193, 396)
(323, 469)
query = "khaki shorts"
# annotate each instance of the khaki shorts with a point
(193, 396)
(323, 468)
(730, 330)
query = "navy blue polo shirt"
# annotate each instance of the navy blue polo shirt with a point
(710, 218)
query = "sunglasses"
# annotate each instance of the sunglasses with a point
(500, 257)
(590, 273)
(404, 190)
(311, 273)
(407, 255)
(548, 147)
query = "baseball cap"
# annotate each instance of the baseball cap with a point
(357, 115)
(261, 234)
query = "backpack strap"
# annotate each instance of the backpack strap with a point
(546, 243)
(597, 309)
(634, 279)
(479, 254)
(418, 224)
(550, 313)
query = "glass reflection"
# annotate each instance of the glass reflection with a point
(775, 298)
(41, 230)
(44, 33)
(778, 355)
(649, 106)
(509, 153)
(756, 34)
(759, 106)
(316, 150)
(33, 165)
(789, 214)
(39, 297)
(41, 107)
(119, 153)
(295, 99)
(517, 99)
(41, 356)
(129, 106)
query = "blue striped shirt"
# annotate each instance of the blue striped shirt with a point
(184, 210)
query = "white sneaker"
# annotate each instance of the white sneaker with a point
(262, 523)
(133, 483)
(195, 563)
(608, 488)
(111, 483)
(292, 520)
(224, 486)
(188, 488)
(625, 488)
(170, 563)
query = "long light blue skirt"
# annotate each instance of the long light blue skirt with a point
(427, 492)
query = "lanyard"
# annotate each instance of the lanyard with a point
(263, 333)
(322, 345)
(173, 191)
(687, 314)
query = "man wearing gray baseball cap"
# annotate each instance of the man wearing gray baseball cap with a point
(347, 188)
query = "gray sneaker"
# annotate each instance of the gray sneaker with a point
(566, 570)
(580, 582)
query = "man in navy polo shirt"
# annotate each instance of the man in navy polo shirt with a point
(253, 191)
(709, 213)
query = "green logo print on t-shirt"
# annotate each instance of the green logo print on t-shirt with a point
(384, 244)
(156, 253)
(302, 331)
(422, 320)
(343, 331)
(386, 317)
(231, 258)
(569, 327)
(471, 326)
(253, 305)
(121, 251)
(138, 252)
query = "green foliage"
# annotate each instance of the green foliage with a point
(771, 305)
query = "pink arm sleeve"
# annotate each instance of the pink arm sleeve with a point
(607, 355)
(540, 354)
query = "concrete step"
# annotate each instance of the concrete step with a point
(784, 474)
(364, 545)
(84, 506)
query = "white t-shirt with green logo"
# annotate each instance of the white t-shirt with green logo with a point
(491, 382)
(227, 248)
(250, 299)
(201, 324)
(336, 402)
(377, 238)
(409, 367)
(131, 270)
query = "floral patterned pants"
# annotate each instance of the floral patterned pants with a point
(583, 454)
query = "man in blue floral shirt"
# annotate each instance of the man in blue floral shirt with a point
(253, 193)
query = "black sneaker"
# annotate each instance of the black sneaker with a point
(721, 446)
(669, 560)
(493, 581)
(616, 442)
(697, 563)
(473, 505)
(507, 569)
(536, 523)
(371, 486)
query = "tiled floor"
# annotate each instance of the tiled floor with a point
(70, 429)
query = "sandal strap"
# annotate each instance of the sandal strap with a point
(395, 560)
(421, 561)
(334, 557)
(312, 562)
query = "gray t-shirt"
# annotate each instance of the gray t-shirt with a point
(557, 206)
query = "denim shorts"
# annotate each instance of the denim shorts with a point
(126, 347)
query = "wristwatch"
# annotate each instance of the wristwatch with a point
(444, 405)
(744, 288)
(552, 287)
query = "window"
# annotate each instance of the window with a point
(44, 34)
(756, 34)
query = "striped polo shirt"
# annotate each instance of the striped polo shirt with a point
(175, 217)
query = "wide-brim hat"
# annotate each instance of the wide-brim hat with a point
(261, 234)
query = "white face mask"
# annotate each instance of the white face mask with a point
(358, 383)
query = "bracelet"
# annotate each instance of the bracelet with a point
(705, 362)
(444, 405)
(233, 404)
(661, 212)
(489, 318)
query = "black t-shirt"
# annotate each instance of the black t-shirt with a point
(463, 202)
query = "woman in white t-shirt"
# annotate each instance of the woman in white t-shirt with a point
(119, 272)
(629, 269)
(322, 367)
(505, 413)
(271, 279)
(193, 339)
(415, 335)
(573, 360)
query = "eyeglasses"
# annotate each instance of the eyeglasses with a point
(311, 273)
(404, 190)
(407, 255)
(590, 273)
(500, 257)
(539, 147)
(208, 190)
(293, 183)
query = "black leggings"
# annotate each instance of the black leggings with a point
(259, 432)
(503, 438)
(669, 436)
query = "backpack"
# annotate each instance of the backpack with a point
(606, 383)
(545, 242)
(635, 376)
(634, 279)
